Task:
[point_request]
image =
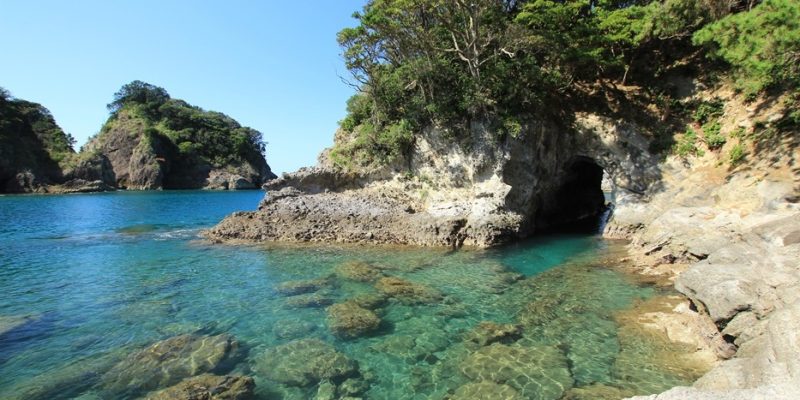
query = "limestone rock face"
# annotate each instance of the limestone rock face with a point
(305, 362)
(169, 361)
(728, 241)
(451, 195)
(208, 387)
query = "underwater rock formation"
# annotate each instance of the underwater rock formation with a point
(305, 362)
(349, 320)
(406, 291)
(208, 387)
(539, 373)
(169, 361)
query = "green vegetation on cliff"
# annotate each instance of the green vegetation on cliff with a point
(197, 134)
(30, 142)
(419, 63)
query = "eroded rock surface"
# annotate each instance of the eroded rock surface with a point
(169, 361)
(208, 387)
(349, 320)
(539, 373)
(406, 291)
(305, 362)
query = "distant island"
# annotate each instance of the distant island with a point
(150, 141)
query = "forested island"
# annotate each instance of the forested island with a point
(150, 141)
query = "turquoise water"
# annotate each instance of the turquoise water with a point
(88, 281)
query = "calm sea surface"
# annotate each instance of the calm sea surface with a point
(88, 281)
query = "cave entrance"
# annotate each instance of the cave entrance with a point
(579, 204)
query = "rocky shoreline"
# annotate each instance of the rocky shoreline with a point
(728, 238)
(730, 244)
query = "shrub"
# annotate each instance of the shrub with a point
(709, 110)
(687, 145)
(737, 154)
(712, 136)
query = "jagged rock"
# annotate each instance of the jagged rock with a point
(169, 361)
(349, 320)
(304, 362)
(485, 390)
(488, 332)
(406, 291)
(358, 271)
(208, 387)
(292, 288)
(539, 373)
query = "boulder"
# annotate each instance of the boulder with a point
(488, 332)
(305, 362)
(358, 271)
(208, 387)
(349, 320)
(292, 288)
(169, 361)
(485, 390)
(539, 373)
(309, 300)
(292, 329)
(407, 292)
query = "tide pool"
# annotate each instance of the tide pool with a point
(90, 282)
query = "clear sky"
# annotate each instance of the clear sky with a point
(272, 65)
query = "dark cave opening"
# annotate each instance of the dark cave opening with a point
(578, 205)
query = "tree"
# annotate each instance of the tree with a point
(762, 44)
(139, 92)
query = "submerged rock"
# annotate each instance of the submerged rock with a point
(406, 291)
(359, 271)
(208, 387)
(309, 300)
(305, 362)
(485, 390)
(539, 373)
(349, 320)
(370, 301)
(292, 329)
(293, 288)
(169, 361)
(487, 333)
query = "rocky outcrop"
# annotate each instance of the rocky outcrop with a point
(729, 240)
(168, 362)
(208, 387)
(446, 195)
(305, 362)
(349, 320)
(143, 158)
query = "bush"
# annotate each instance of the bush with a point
(712, 136)
(708, 111)
(687, 146)
(737, 154)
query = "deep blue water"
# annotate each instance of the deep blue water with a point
(83, 277)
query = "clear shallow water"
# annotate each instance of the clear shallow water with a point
(89, 279)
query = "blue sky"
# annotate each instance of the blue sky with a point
(271, 65)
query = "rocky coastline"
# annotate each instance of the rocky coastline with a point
(727, 237)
